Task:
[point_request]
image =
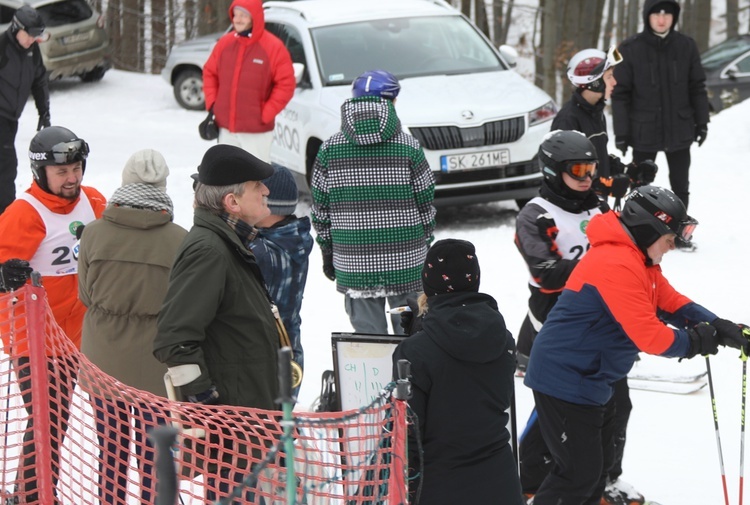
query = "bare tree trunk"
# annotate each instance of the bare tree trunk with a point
(622, 33)
(687, 19)
(128, 51)
(507, 21)
(733, 22)
(480, 10)
(159, 48)
(702, 11)
(634, 16)
(609, 25)
(551, 27)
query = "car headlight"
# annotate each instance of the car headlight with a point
(544, 113)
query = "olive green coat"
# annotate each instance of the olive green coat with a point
(123, 273)
(217, 315)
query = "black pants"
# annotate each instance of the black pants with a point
(113, 432)
(579, 438)
(536, 459)
(62, 376)
(8, 162)
(679, 170)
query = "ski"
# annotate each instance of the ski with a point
(677, 388)
(645, 376)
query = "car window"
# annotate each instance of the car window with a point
(725, 52)
(743, 65)
(406, 47)
(62, 13)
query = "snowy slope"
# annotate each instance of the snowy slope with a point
(671, 454)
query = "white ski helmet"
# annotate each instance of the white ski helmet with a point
(586, 68)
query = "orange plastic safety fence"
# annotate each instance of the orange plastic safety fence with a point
(74, 435)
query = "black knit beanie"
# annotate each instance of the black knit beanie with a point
(667, 7)
(451, 265)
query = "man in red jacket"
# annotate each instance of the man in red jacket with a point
(248, 80)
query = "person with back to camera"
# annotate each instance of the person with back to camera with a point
(372, 205)
(661, 103)
(616, 303)
(462, 363)
(282, 249)
(123, 271)
(22, 72)
(591, 72)
(38, 231)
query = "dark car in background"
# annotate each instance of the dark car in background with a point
(727, 67)
(78, 44)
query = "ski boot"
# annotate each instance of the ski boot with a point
(620, 492)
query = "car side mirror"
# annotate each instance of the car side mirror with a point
(299, 74)
(731, 72)
(509, 54)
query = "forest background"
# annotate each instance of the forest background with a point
(546, 33)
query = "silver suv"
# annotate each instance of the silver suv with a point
(78, 45)
(479, 122)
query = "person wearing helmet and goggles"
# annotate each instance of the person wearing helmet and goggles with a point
(22, 73)
(38, 230)
(591, 72)
(551, 237)
(363, 177)
(615, 304)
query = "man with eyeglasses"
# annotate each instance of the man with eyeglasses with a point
(660, 102)
(38, 231)
(22, 72)
(615, 304)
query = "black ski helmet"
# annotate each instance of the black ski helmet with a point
(28, 19)
(650, 212)
(561, 147)
(55, 145)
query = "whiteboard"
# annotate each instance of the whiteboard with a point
(362, 366)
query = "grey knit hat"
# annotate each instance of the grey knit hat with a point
(282, 188)
(146, 167)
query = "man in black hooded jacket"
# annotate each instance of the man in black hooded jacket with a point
(22, 72)
(660, 102)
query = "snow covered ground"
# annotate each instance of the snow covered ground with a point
(671, 454)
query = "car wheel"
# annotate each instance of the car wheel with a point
(188, 90)
(94, 75)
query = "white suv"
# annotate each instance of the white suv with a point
(479, 122)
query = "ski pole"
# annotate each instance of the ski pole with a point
(716, 428)
(743, 357)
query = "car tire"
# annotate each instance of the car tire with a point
(188, 90)
(93, 75)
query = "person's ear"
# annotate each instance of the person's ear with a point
(231, 204)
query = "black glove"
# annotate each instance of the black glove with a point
(410, 321)
(44, 121)
(620, 185)
(208, 397)
(622, 142)
(328, 269)
(13, 274)
(703, 340)
(701, 131)
(730, 334)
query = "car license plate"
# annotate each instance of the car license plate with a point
(78, 37)
(472, 161)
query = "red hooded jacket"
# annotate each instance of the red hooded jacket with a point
(248, 80)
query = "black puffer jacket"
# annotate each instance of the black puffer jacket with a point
(462, 373)
(578, 114)
(660, 95)
(22, 72)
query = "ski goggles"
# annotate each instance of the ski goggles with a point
(580, 170)
(63, 153)
(686, 228)
(613, 58)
